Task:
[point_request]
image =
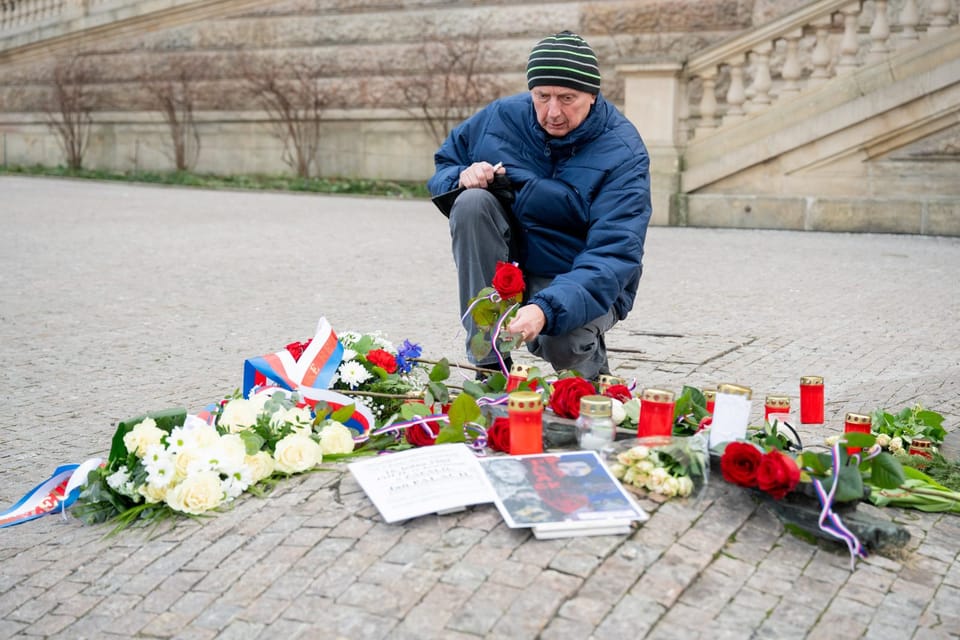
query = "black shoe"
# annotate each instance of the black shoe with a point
(492, 368)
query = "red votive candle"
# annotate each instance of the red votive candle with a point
(921, 447)
(711, 397)
(518, 373)
(525, 412)
(775, 404)
(811, 400)
(856, 423)
(656, 413)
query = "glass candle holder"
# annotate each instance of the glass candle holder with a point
(518, 374)
(711, 397)
(775, 404)
(856, 423)
(731, 414)
(656, 413)
(811, 400)
(595, 427)
(921, 447)
(525, 414)
(605, 381)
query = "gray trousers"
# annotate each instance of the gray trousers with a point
(482, 234)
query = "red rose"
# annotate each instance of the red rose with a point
(739, 463)
(565, 398)
(417, 435)
(498, 435)
(778, 474)
(618, 392)
(296, 349)
(508, 280)
(382, 359)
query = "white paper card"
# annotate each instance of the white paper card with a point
(731, 415)
(435, 479)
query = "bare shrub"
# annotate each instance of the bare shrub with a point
(69, 108)
(455, 82)
(174, 94)
(295, 97)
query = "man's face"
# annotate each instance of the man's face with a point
(561, 110)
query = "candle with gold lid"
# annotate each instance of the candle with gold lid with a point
(856, 423)
(518, 374)
(775, 404)
(606, 381)
(525, 413)
(811, 400)
(656, 413)
(710, 395)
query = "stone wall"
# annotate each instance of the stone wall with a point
(364, 51)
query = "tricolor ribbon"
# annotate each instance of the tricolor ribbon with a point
(43, 499)
(829, 522)
(315, 368)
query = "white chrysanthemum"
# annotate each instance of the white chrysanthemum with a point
(178, 440)
(161, 470)
(348, 354)
(237, 481)
(118, 478)
(354, 374)
(349, 338)
(383, 343)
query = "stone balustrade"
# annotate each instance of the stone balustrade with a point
(775, 62)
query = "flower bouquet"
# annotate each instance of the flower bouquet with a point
(662, 467)
(492, 308)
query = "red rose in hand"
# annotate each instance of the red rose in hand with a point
(777, 474)
(739, 463)
(417, 435)
(618, 392)
(508, 280)
(382, 359)
(498, 435)
(565, 398)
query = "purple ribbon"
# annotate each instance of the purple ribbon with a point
(835, 527)
(477, 444)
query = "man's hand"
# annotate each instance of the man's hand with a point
(480, 174)
(528, 323)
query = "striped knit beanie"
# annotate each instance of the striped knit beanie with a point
(564, 60)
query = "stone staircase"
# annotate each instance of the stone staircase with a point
(840, 116)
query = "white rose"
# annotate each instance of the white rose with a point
(232, 452)
(883, 440)
(261, 466)
(153, 493)
(142, 436)
(183, 460)
(296, 453)
(196, 494)
(204, 435)
(831, 440)
(685, 486)
(617, 470)
(617, 413)
(896, 444)
(298, 416)
(239, 414)
(669, 487)
(336, 438)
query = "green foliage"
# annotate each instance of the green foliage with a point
(397, 189)
(911, 422)
(166, 420)
(689, 408)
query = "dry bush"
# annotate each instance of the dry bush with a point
(69, 108)
(175, 95)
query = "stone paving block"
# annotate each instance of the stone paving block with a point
(428, 618)
(633, 616)
(666, 579)
(482, 611)
(263, 610)
(515, 574)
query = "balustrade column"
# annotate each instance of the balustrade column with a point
(908, 19)
(760, 56)
(792, 70)
(879, 33)
(708, 103)
(940, 9)
(820, 58)
(736, 95)
(849, 44)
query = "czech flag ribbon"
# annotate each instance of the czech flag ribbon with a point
(315, 367)
(362, 419)
(43, 499)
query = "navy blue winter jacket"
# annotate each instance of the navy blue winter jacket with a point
(583, 201)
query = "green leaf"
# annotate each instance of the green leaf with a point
(166, 420)
(849, 486)
(474, 388)
(252, 441)
(915, 474)
(440, 371)
(439, 392)
(450, 433)
(463, 409)
(857, 439)
(344, 413)
(485, 314)
(480, 345)
(886, 472)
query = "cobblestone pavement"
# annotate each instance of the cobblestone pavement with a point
(116, 299)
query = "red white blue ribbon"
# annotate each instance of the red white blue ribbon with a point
(362, 419)
(43, 499)
(315, 368)
(829, 522)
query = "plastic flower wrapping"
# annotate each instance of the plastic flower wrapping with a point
(662, 467)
